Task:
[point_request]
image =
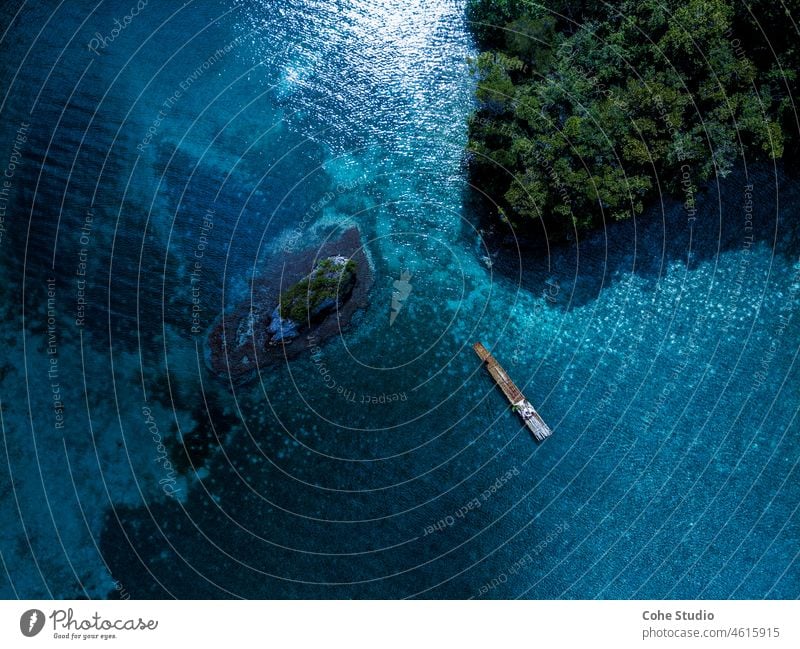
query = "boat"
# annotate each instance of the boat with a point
(519, 404)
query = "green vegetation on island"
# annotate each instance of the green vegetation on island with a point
(331, 279)
(587, 110)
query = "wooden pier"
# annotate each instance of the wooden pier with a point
(518, 402)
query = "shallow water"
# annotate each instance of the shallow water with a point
(662, 352)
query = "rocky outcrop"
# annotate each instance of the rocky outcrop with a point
(323, 290)
(310, 293)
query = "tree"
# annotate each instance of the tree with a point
(583, 106)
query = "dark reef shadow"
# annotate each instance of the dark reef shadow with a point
(667, 232)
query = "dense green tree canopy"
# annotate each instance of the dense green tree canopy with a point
(587, 109)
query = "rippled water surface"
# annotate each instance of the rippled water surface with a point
(661, 352)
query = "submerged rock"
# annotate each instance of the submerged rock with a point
(282, 330)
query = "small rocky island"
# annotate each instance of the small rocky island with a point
(310, 294)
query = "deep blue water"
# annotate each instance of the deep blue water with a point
(661, 352)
